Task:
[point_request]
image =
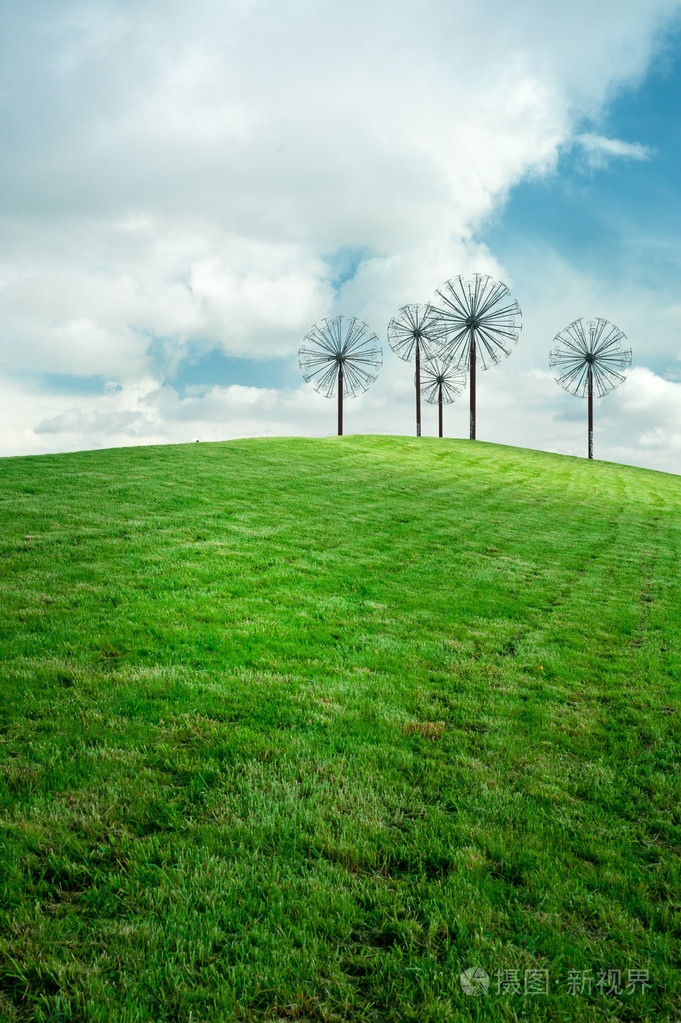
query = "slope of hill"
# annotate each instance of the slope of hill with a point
(304, 729)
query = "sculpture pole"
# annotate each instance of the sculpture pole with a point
(472, 384)
(591, 411)
(418, 389)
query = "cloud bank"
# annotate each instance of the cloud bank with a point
(178, 181)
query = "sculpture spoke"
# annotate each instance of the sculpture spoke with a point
(480, 326)
(416, 332)
(589, 357)
(340, 356)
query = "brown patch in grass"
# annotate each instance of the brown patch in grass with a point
(428, 729)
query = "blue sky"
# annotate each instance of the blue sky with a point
(621, 217)
(183, 193)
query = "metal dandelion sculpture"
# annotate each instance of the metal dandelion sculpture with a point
(589, 357)
(415, 331)
(481, 324)
(442, 383)
(340, 356)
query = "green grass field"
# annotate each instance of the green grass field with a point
(303, 729)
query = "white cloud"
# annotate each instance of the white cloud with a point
(600, 150)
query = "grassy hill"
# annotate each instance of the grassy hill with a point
(303, 729)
